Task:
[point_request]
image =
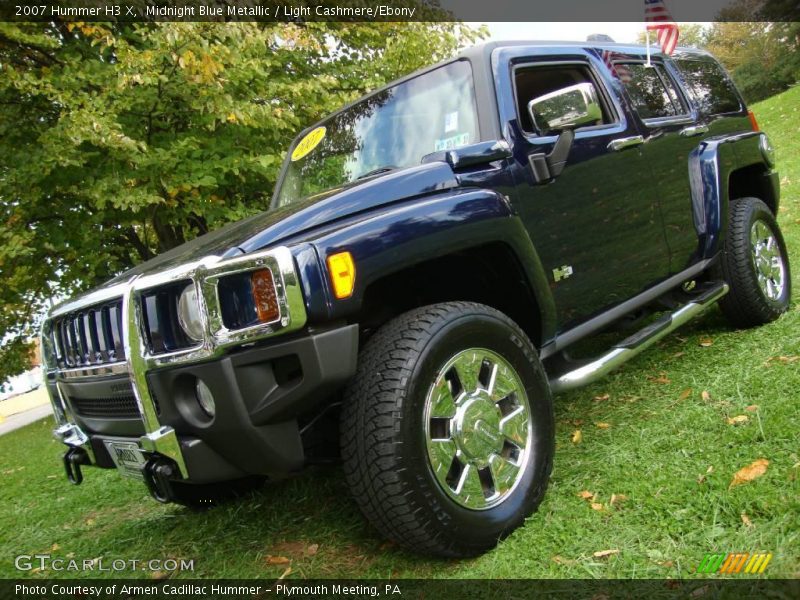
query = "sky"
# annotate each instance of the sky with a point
(619, 32)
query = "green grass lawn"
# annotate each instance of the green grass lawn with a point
(665, 451)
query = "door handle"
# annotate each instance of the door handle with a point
(694, 130)
(626, 142)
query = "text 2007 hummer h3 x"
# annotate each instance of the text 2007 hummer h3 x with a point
(432, 255)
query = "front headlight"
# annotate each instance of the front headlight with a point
(189, 313)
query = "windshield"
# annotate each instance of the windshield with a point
(392, 129)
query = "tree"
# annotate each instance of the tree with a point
(692, 35)
(120, 141)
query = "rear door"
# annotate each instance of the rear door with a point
(596, 226)
(671, 132)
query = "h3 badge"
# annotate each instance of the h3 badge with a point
(562, 273)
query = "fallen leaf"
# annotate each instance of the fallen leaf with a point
(597, 506)
(312, 550)
(90, 522)
(563, 561)
(276, 560)
(601, 397)
(55, 548)
(710, 469)
(783, 359)
(685, 394)
(577, 436)
(746, 520)
(667, 563)
(618, 499)
(737, 419)
(586, 494)
(706, 342)
(159, 575)
(752, 471)
(285, 573)
(752, 408)
(661, 378)
(604, 553)
(705, 396)
(602, 425)
(678, 354)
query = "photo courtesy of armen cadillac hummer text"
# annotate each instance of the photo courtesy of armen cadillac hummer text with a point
(412, 299)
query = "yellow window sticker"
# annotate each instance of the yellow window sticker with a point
(308, 143)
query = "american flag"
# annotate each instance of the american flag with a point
(621, 72)
(659, 20)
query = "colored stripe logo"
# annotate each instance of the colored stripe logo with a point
(735, 562)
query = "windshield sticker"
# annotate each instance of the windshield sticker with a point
(451, 122)
(308, 143)
(461, 139)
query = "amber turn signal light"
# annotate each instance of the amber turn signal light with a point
(264, 295)
(753, 122)
(342, 270)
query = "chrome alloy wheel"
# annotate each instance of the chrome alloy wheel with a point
(767, 260)
(477, 428)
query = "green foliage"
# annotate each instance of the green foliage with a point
(763, 58)
(120, 141)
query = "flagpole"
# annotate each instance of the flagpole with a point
(647, 34)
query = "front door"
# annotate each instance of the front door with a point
(596, 225)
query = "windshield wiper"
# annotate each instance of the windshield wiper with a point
(377, 171)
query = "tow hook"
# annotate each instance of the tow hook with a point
(73, 459)
(157, 472)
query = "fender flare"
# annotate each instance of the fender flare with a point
(710, 168)
(410, 233)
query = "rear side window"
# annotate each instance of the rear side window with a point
(651, 91)
(709, 86)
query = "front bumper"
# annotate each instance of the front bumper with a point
(262, 394)
(263, 377)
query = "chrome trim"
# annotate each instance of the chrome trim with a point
(617, 356)
(625, 142)
(73, 436)
(693, 130)
(95, 297)
(767, 151)
(115, 368)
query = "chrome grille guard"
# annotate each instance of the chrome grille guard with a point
(204, 274)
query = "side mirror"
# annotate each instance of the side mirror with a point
(568, 108)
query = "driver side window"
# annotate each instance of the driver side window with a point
(537, 81)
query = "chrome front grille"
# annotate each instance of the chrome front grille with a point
(92, 336)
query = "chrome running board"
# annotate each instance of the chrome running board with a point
(638, 342)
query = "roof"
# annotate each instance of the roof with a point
(485, 49)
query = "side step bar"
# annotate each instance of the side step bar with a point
(638, 342)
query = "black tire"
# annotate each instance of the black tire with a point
(747, 305)
(202, 496)
(383, 430)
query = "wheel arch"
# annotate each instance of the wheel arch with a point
(467, 245)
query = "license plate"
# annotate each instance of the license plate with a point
(128, 458)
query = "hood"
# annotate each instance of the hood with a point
(274, 226)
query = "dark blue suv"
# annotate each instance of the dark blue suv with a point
(409, 303)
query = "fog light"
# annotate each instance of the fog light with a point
(205, 398)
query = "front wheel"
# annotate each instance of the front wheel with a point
(447, 429)
(755, 264)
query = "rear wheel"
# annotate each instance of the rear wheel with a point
(755, 264)
(447, 429)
